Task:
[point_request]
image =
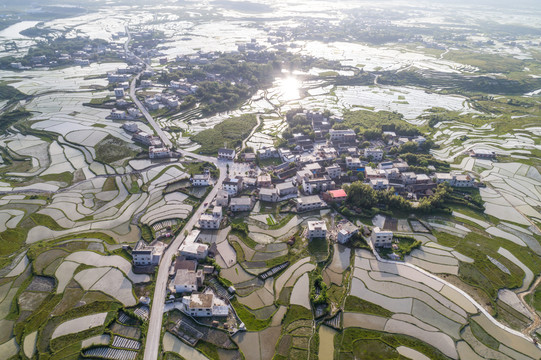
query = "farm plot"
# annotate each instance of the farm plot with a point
(173, 344)
(111, 282)
(300, 293)
(97, 260)
(79, 324)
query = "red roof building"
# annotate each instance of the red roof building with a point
(335, 195)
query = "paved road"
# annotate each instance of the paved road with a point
(156, 314)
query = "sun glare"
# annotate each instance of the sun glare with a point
(290, 88)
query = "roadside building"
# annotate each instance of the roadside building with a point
(144, 255)
(201, 179)
(204, 305)
(226, 154)
(187, 281)
(222, 198)
(345, 230)
(308, 203)
(381, 238)
(240, 204)
(317, 229)
(233, 186)
(211, 221)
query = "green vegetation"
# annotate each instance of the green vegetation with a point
(229, 132)
(250, 320)
(47, 221)
(8, 92)
(296, 312)
(209, 349)
(65, 177)
(355, 304)
(9, 118)
(483, 336)
(112, 149)
(351, 341)
(483, 274)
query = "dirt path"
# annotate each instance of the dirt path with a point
(536, 324)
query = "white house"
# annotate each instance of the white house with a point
(130, 127)
(233, 186)
(187, 281)
(240, 204)
(269, 195)
(379, 184)
(118, 114)
(119, 92)
(333, 171)
(222, 198)
(201, 179)
(227, 154)
(317, 229)
(381, 238)
(211, 221)
(286, 188)
(342, 135)
(157, 152)
(307, 203)
(345, 230)
(374, 154)
(353, 162)
(144, 255)
(268, 152)
(204, 305)
(456, 180)
(194, 250)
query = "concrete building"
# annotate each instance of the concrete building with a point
(286, 188)
(455, 180)
(345, 230)
(226, 154)
(353, 162)
(119, 92)
(240, 204)
(145, 255)
(483, 153)
(204, 305)
(159, 152)
(381, 238)
(187, 281)
(379, 184)
(193, 250)
(333, 171)
(373, 154)
(267, 153)
(308, 203)
(335, 195)
(222, 198)
(342, 135)
(269, 195)
(211, 221)
(319, 184)
(201, 179)
(264, 181)
(233, 186)
(317, 229)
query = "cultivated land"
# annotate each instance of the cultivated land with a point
(428, 118)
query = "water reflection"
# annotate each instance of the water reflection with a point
(289, 89)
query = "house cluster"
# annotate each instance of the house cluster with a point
(187, 277)
(156, 101)
(82, 57)
(156, 149)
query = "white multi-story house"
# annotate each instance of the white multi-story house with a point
(345, 230)
(379, 184)
(222, 198)
(227, 154)
(240, 204)
(317, 229)
(155, 152)
(211, 221)
(333, 171)
(267, 153)
(286, 188)
(118, 114)
(201, 179)
(187, 281)
(233, 186)
(193, 250)
(308, 203)
(374, 154)
(456, 180)
(381, 238)
(145, 255)
(204, 305)
(353, 162)
(119, 92)
(269, 195)
(342, 135)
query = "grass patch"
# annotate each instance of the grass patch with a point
(230, 132)
(8, 92)
(65, 177)
(346, 342)
(250, 320)
(210, 350)
(296, 312)
(46, 220)
(109, 184)
(318, 248)
(112, 149)
(483, 336)
(355, 304)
